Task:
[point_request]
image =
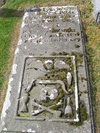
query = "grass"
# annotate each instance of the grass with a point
(5, 30)
(11, 14)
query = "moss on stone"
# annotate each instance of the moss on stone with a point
(83, 115)
(21, 114)
(83, 78)
(61, 53)
(55, 30)
(77, 46)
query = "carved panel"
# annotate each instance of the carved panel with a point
(49, 89)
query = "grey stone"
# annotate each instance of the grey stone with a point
(96, 12)
(60, 64)
(39, 83)
(69, 78)
(48, 64)
(68, 109)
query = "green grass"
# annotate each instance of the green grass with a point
(10, 15)
(6, 27)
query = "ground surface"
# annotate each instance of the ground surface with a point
(10, 18)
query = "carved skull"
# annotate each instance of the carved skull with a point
(49, 92)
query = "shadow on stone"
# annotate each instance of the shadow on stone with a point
(5, 12)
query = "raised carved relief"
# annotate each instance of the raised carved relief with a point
(49, 89)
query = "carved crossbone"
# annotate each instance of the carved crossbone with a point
(43, 108)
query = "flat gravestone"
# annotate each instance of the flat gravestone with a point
(48, 88)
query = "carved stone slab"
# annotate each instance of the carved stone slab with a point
(48, 87)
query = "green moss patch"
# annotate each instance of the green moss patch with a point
(82, 115)
(23, 114)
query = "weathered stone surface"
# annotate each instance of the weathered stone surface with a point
(96, 12)
(48, 86)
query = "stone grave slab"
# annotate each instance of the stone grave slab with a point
(48, 89)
